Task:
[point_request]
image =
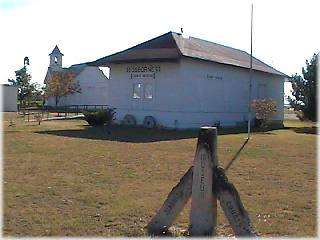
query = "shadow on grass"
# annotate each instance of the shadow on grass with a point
(305, 130)
(121, 133)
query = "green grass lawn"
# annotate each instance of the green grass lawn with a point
(63, 178)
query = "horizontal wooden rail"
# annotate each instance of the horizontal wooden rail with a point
(66, 108)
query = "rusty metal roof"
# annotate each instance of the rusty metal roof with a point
(173, 45)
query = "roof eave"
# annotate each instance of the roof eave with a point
(233, 65)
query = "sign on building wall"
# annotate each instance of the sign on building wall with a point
(213, 77)
(144, 71)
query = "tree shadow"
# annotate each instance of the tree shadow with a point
(304, 130)
(122, 133)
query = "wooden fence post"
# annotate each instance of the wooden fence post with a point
(176, 200)
(205, 181)
(203, 214)
(232, 206)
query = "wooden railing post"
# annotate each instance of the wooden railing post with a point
(203, 214)
(173, 205)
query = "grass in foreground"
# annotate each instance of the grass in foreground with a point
(64, 178)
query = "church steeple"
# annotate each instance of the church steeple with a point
(56, 58)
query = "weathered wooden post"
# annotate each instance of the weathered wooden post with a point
(231, 205)
(206, 182)
(173, 205)
(203, 214)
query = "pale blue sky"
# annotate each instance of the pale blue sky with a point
(12, 4)
(86, 30)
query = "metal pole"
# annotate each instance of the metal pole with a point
(250, 79)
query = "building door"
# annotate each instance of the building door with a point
(142, 94)
(148, 94)
(137, 94)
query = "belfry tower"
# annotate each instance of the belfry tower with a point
(55, 59)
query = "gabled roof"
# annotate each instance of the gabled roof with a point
(75, 69)
(173, 45)
(56, 51)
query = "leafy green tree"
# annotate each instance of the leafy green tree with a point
(304, 92)
(22, 81)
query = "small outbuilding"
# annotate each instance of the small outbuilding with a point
(9, 98)
(186, 82)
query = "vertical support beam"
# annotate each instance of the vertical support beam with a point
(176, 200)
(203, 215)
(250, 78)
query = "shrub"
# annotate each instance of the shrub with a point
(265, 109)
(99, 117)
(39, 104)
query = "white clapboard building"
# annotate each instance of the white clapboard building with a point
(185, 82)
(93, 83)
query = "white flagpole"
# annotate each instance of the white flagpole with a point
(250, 79)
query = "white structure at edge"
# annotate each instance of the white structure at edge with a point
(92, 81)
(9, 98)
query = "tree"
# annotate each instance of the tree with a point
(36, 94)
(264, 109)
(22, 81)
(61, 84)
(304, 90)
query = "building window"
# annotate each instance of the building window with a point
(105, 71)
(55, 60)
(137, 88)
(148, 91)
